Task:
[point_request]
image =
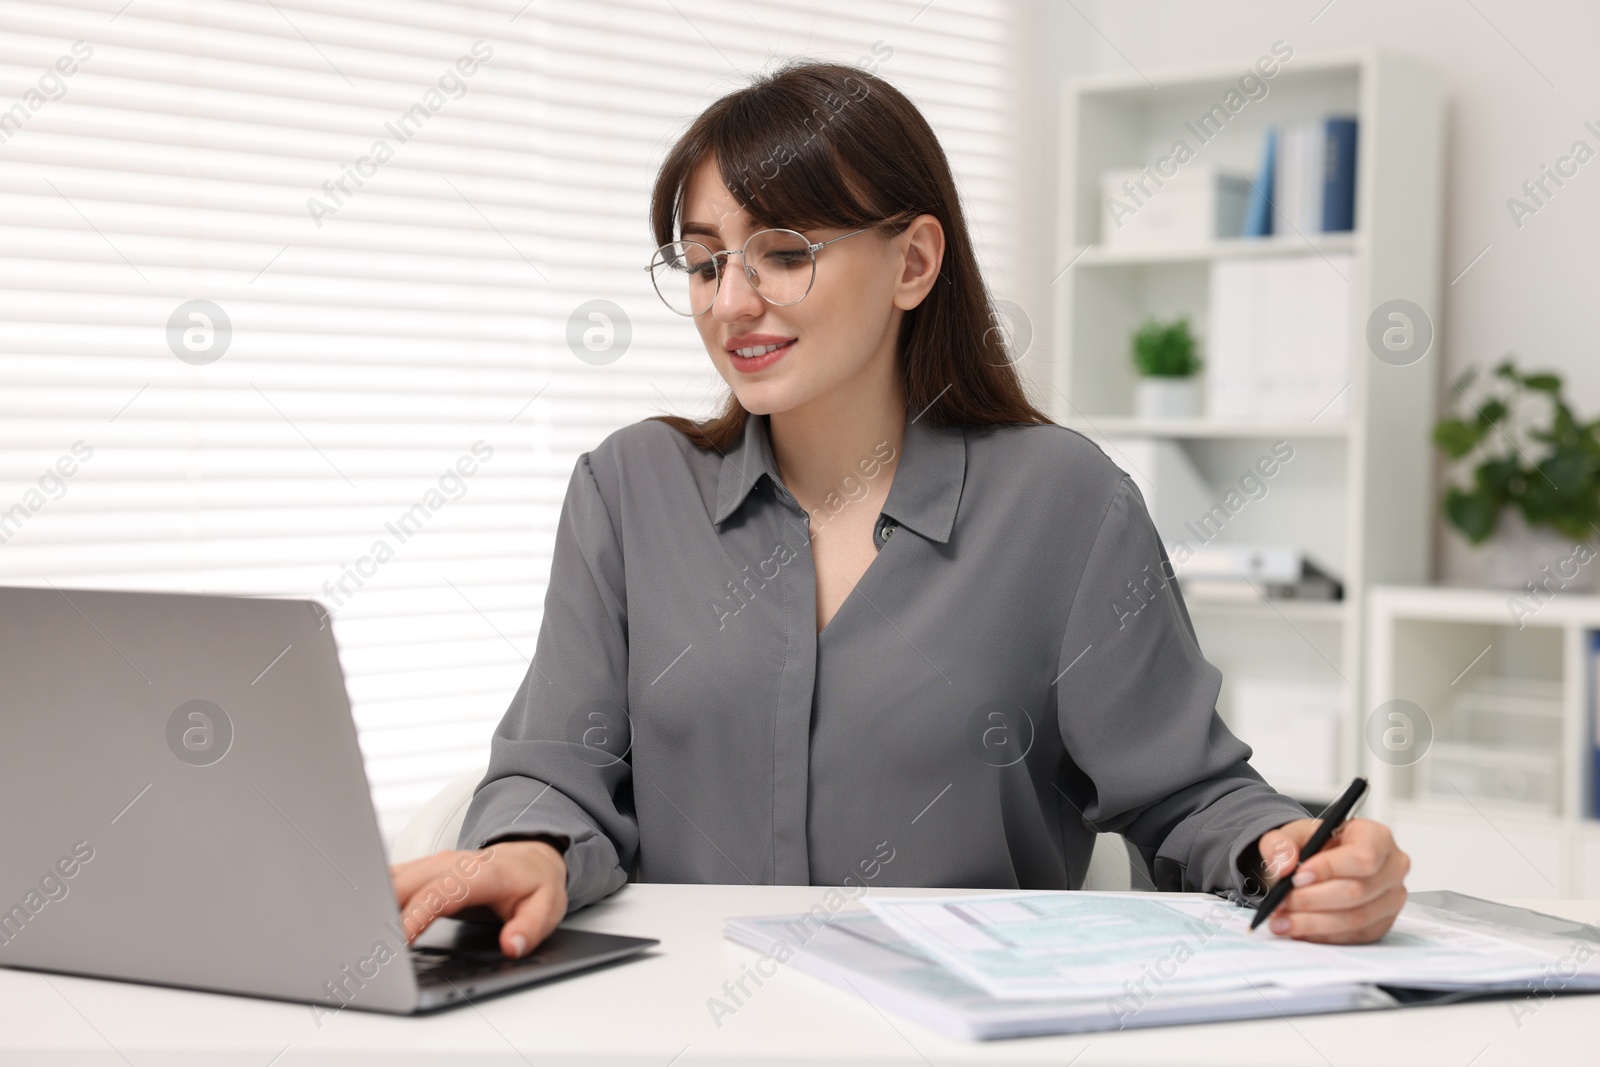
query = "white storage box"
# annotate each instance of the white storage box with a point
(1292, 728)
(1278, 338)
(1174, 490)
(1523, 779)
(1195, 205)
(1500, 745)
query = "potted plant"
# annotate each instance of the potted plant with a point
(1165, 357)
(1535, 483)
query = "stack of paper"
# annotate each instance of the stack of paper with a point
(866, 957)
(1009, 964)
(1252, 572)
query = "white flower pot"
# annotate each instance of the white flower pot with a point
(1517, 554)
(1167, 398)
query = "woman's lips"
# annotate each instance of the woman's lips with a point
(754, 363)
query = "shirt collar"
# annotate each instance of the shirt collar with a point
(924, 494)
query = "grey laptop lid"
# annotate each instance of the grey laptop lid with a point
(185, 802)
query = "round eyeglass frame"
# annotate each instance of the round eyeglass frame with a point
(718, 258)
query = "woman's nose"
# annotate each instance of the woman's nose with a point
(736, 297)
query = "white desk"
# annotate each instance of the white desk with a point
(653, 1011)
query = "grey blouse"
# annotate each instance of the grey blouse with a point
(1012, 673)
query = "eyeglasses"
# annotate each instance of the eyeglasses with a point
(781, 265)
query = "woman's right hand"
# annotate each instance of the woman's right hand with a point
(522, 882)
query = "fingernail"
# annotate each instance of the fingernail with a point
(1279, 925)
(519, 944)
(1304, 877)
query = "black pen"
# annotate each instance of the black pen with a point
(1333, 816)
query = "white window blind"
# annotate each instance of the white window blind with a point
(388, 211)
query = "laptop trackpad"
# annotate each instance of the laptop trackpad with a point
(455, 959)
(565, 947)
(465, 939)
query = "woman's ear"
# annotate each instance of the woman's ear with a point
(922, 253)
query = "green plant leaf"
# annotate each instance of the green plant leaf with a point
(1562, 424)
(1577, 529)
(1474, 514)
(1456, 437)
(1561, 491)
(1500, 477)
(1569, 469)
(1165, 350)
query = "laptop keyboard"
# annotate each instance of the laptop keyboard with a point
(436, 966)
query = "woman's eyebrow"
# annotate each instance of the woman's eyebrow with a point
(698, 227)
(708, 230)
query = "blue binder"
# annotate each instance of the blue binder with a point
(1258, 211)
(1339, 175)
(1594, 718)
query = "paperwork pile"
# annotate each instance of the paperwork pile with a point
(1028, 963)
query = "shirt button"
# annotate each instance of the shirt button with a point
(888, 528)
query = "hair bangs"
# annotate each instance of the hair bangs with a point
(779, 161)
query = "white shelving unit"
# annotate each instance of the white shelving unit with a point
(1359, 494)
(1426, 646)
(1224, 248)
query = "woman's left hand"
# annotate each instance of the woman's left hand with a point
(1348, 893)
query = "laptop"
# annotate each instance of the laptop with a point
(186, 805)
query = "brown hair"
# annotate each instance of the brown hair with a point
(823, 144)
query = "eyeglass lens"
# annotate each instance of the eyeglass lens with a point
(778, 263)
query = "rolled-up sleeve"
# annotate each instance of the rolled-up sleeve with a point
(1138, 717)
(558, 762)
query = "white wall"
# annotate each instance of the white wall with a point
(1520, 81)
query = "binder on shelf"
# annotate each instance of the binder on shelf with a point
(1299, 179)
(1278, 344)
(1314, 175)
(1594, 718)
(1286, 182)
(1339, 175)
(1258, 212)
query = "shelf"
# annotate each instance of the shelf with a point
(1314, 795)
(1126, 426)
(1224, 248)
(1486, 813)
(1183, 83)
(1359, 495)
(1491, 853)
(1332, 611)
(1425, 645)
(1464, 605)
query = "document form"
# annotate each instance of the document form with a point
(1031, 945)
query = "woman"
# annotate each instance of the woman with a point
(879, 621)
